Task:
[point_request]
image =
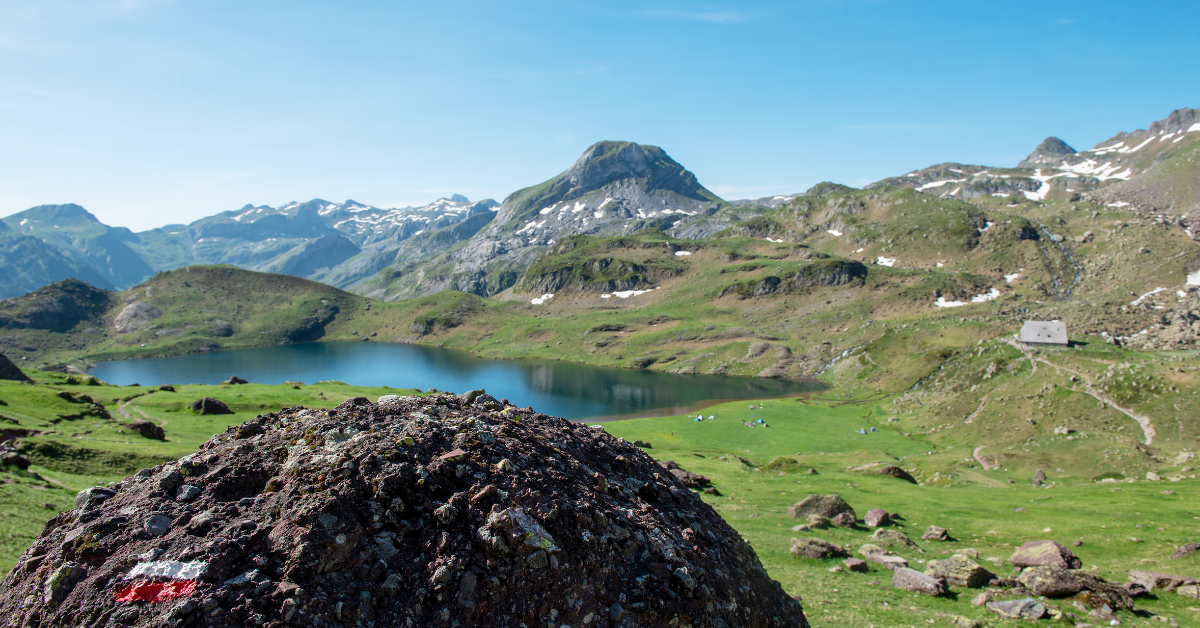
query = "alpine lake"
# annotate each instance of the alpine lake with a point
(570, 390)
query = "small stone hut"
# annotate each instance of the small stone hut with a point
(1044, 333)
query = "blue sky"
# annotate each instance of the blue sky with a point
(150, 112)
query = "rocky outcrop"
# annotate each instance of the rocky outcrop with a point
(312, 327)
(893, 471)
(818, 273)
(136, 316)
(10, 371)
(367, 513)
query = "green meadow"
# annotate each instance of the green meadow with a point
(759, 472)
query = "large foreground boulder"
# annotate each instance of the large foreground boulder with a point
(828, 506)
(420, 512)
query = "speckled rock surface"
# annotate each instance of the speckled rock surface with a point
(421, 511)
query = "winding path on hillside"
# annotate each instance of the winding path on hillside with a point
(1091, 390)
(987, 466)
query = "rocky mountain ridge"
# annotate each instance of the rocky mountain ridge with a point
(1152, 168)
(337, 243)
(613, 188)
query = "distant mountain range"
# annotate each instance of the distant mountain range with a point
(613, 188)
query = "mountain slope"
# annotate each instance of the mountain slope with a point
(78, 235)
(29, 263)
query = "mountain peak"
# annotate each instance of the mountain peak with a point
(607, 161)
(1049, 152)
(458, 198)
(59, 213)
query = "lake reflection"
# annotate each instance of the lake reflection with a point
(563, 389)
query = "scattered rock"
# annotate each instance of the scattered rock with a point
(814, 522)
(339, 518)
(1152, 476)
(917, 582)
(1050, 581)
(167, 388)
(157, 525)
(960, 571)
(885, 537)
(208, 405)
(470, 396)
(1034, 553)
(876, 517)
(935, 533)
(642, 444)
(878, 555)
(856, 565)
(828, 506)
(817, 548)
(147, 429)
(1039, 478)
(844, 520)
(1189, 590)
(1153, 580)
(958, 621)
(893, 471)
(1185, 550)
(686, 478)
(234, 380)
(1024, 608)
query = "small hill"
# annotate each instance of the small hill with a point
(194, 309)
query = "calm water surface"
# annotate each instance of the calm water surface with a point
(565, 389)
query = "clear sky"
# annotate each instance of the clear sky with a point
(150, 112)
